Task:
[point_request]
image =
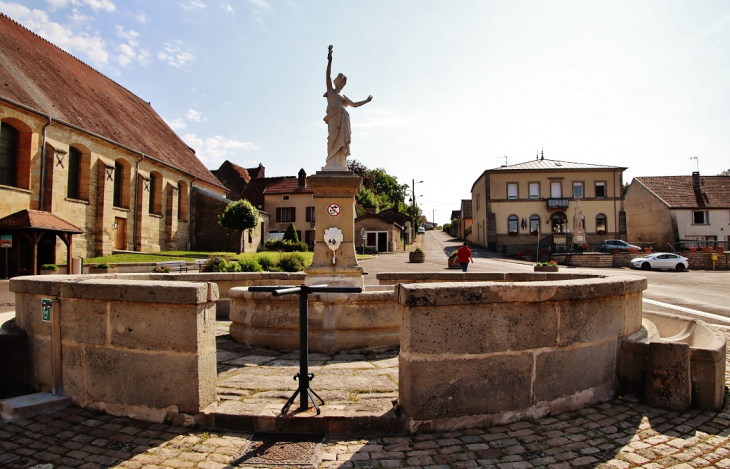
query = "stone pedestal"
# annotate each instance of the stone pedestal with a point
(334, 201)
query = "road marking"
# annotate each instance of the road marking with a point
(716, 317)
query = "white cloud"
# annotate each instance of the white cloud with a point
(175, 55)
(96, 5)
(214, 150)
(130, 51)
(79, 18)
(141, 17)
(260, 3)
(196, 116)
(86, 46)
(193, 5)
(176, 124)
(227, 7)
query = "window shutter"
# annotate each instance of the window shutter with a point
(293, 214)
(278, 214)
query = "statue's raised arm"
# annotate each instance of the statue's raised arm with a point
(338, 119)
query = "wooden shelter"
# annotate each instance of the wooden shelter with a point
(25, 231)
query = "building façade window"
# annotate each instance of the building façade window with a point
(310, 214)
(286, 214)
(73, 190)
(601, 223)
(578, 191)
(600, 190)
(155, 202)
(534, 223)
(118, 183)
(512, 191)
(700, 217)
(534, 190)
(9, 137)
(512, 223)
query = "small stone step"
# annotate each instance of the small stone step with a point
(30, 405)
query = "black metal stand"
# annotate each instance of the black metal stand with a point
(304, 376)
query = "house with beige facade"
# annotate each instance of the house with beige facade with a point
(291, 200)
(514, 204)
(385, 231)
(679, 212)
(77, 145)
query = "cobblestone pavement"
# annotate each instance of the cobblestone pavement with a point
(618, 434)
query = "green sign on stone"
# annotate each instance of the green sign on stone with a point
(46, 310)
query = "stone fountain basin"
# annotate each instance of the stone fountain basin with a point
(660, 348)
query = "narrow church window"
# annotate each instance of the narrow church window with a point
(8, 154)
(74, 173)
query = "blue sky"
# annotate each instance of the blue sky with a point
(457, 86)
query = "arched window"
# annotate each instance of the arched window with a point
(601, 224)
(155, 193)
(512, 224)
(9, 137)
(74, 174)
(182, 202)
(122, 170)
(534, 223)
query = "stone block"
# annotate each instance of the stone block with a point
(31, 320)
(84, 321)
(155, 380)
(154, 326)
(41, 362)
(483, 328)
(72, 357)
(634, 312)
(708, 382)
(565, 372)
(141, 291)
(460, 387)
(591, 320)
(668, 383)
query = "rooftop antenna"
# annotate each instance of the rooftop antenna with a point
(697, 160)
(505, 159)
(542, 153)
(537, 154)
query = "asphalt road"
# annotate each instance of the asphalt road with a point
(699, 294)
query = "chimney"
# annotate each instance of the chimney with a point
(302, 179)
(696, 180)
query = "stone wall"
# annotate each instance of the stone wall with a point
(703, 260)
(484, 354)
(141, 348)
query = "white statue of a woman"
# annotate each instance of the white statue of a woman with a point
(338, 120)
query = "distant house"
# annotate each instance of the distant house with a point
(75, 144)
(291, 200)
(235, 177)
(679, 211)
(513, 203)
(464, 229)
(382, 231)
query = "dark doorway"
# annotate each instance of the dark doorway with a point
(382, 242)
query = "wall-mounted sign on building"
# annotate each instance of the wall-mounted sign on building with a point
(6, 241)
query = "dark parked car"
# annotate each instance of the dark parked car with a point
(610, 244)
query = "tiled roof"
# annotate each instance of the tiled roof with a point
(388, 216)
(466, 209)
(455, 214)
(678, 191)
(39, 75)
(37, 220)
(546, 164)
(288, 185)
(254, 190)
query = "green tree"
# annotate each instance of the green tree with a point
(291, 234)
(366, 198)
(725, 173)
(239, 216)
(388, 190)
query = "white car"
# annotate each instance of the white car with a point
(660, 260)
(421, 230)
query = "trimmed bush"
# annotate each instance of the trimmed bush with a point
(285, 246)
(250, 264)
(267, 264)
(217, 264)
(292, 262)
(291, 234)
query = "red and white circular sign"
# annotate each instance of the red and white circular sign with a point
(334, 209)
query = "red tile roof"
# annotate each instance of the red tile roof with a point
(288, 185)
(254, 190)
(466, 209)
(38, 220)
(678, 191)
(39, 75)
